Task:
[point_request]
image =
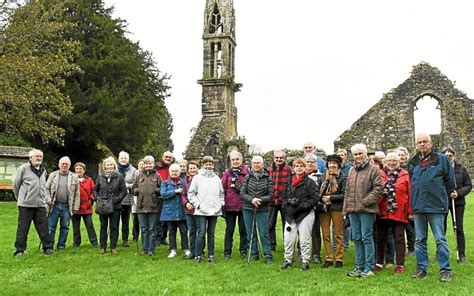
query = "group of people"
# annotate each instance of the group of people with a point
(374, 200)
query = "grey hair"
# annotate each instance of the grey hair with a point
(380, 153)
(174, 166)
(279, 151)
(123, 153)
(359, 147)
(404, 150)
(149, 158)
(257, 158)
(182, 160)
(393, 153)
(65, 158)
(32, 152)
(236, 153)
(310, 155)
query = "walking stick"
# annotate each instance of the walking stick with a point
(251, 235)
(259, 246)
(455, 228)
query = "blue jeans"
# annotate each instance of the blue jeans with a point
(436, 222)
(59, 212)
(362, 227)
(205, 224)
(261, 223)
(147, 223)
(191, 222)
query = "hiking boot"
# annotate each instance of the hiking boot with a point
(268, 260)
(338, 264)
(114, 252)
(101, 251)
(367, 273)
(316, 259)
(399, 269)
(462, 259)
(419, 274)
(125, 244)
(355, 272)
(211, 259)
(304, 266)
(198, 259)
(327, 264)
(48, 251)
(18, 254)
(285, 265)
(445, 276)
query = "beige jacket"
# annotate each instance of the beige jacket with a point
(73, 191)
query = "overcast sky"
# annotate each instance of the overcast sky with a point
(309, 68)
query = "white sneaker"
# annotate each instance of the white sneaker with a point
(172, 254)
(187, 253)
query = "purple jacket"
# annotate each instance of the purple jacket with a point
(233, 202)
(184, 195)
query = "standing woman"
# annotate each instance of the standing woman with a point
(129, 173)
(299, 202)
(109, 192)
(173, 212)
(394, 210)
(193, 169)
(147, 190)
(332, 187)
(232, 183)
(85, 208)
(136, 224)
(363, 190)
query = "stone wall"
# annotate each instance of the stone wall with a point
(390, 122)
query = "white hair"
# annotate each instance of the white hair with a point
(380, 154)
(65, 158)
(148, 158)
(359, 148)
(33, 152)
(310, 155)
(125, 154)
(174, 166)
(393, 154)
(257, 158)
(235, 154)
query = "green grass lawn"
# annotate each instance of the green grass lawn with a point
(83, 271)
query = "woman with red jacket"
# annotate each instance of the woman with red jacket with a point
(394, 210)
(85, 208)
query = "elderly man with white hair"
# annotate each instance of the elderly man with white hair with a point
(128, 172)
(30, 193)
(309, 147)
(363, 190)
(63, 189)
(257, 195)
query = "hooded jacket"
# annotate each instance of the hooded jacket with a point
(206, 194)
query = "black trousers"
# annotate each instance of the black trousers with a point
(272, 221)
(113, 220)
(40, 219)
(461, 243)
(410, 231)
(316, 236)
(173, 226)
(76, 229)
(230, 219)
(135, 228)
(125, 215)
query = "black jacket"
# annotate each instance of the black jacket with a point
(299, 201)
(261, 187)
(115, 188)
(463, 184)
(337, 199)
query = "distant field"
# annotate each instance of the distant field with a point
(83, 271)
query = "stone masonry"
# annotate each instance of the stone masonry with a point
(390, 122)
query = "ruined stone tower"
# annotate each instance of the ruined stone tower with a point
(216, 133)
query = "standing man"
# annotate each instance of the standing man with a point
(309, 147)
(162, 168)
(432, 177)
(280, 173)
(29, 190)
(62, 188)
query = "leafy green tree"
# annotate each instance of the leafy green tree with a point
(35, 58)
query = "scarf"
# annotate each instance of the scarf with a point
(361, 166)
(235, 181)
(389, 189)
(296, 180)
(123, 168)
(330, 185)
(175, 180)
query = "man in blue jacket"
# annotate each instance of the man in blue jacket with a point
(432, 176)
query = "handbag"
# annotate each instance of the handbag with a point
(321, 207)
(104, 206)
